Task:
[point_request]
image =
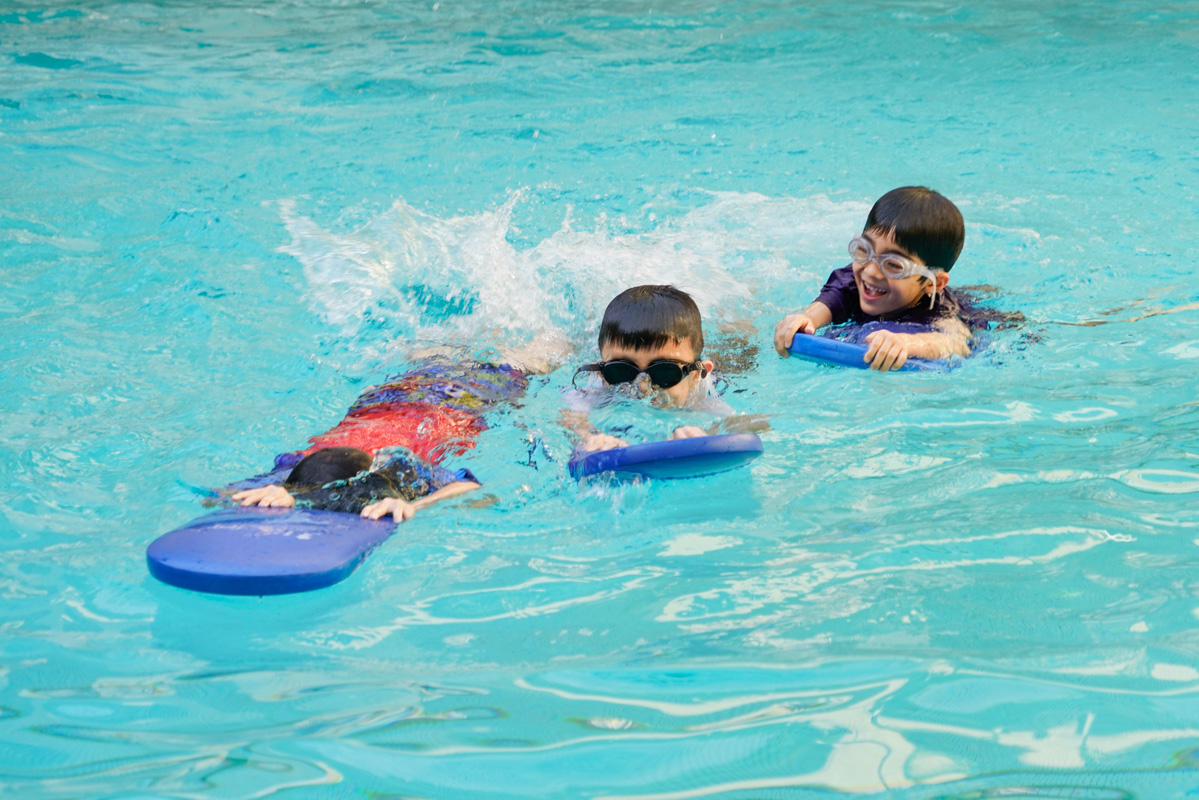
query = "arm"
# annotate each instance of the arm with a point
(402, 510)
(816, 315)
(590, 439)
(741, 423)
(888, 350)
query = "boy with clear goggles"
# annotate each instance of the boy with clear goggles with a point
(911, 239)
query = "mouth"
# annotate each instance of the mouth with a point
(870, 291)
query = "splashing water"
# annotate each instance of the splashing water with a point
(420, 278)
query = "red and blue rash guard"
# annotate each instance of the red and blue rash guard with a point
(433, 410)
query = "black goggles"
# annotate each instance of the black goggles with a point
(662, 374)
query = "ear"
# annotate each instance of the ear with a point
(941, 279)
(707, 365)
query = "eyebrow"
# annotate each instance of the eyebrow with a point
(899, 252)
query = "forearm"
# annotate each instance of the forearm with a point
(819, 313)
(741, 423)
(445, 493)
(577, 423)
(952, 338)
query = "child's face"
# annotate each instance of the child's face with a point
(680, 352)
(879, 294)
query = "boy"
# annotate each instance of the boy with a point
(899, 274)
(383, 457)
(652, 338)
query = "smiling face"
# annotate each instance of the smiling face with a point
(679, 351)
(879, 294)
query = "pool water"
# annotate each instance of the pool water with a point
(220, 222)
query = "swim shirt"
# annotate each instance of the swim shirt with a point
(840, 294)
(434, 409)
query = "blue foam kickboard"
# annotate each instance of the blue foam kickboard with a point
(673, 458)
(823, 350)
(260, 551)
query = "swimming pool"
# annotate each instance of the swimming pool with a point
(222, 223)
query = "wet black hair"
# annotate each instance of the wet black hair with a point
(921, 221)
(328, 465)
(645, 317)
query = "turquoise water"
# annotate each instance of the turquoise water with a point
(220, 223)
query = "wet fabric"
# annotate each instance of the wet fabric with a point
(433, 411)
(840, 294)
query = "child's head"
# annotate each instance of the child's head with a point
(328, 465)
(654, 325)
(917, 225)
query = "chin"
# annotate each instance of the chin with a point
(874, 309)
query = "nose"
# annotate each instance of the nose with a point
(874, 267)
(644, 387)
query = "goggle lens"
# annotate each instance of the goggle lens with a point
(662, 374)
(892, 265)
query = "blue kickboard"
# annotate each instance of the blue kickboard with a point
(673, 458)
(835, 352)
(261, 551)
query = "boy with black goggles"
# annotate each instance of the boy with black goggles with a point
(656, 332)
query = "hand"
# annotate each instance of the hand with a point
(887, 350)
(273, 496)
(785, 331)
(400, 510)
(688, 432)
(600, 441)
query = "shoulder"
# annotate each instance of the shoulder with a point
(707, 398)
(841, 279)
(584, 398)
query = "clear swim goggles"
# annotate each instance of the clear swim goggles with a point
(892, 265)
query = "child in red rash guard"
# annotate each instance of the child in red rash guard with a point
(386, 451)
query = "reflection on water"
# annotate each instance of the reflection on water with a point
(226, 222)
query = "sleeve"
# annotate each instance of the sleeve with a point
(840, 294)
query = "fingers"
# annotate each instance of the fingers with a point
(785, 331)
(601, 441)
(376, 510)
(279, 501)
(688, 432)
(873, 340)
(887, 351)
(273, 496)
(400, 510)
